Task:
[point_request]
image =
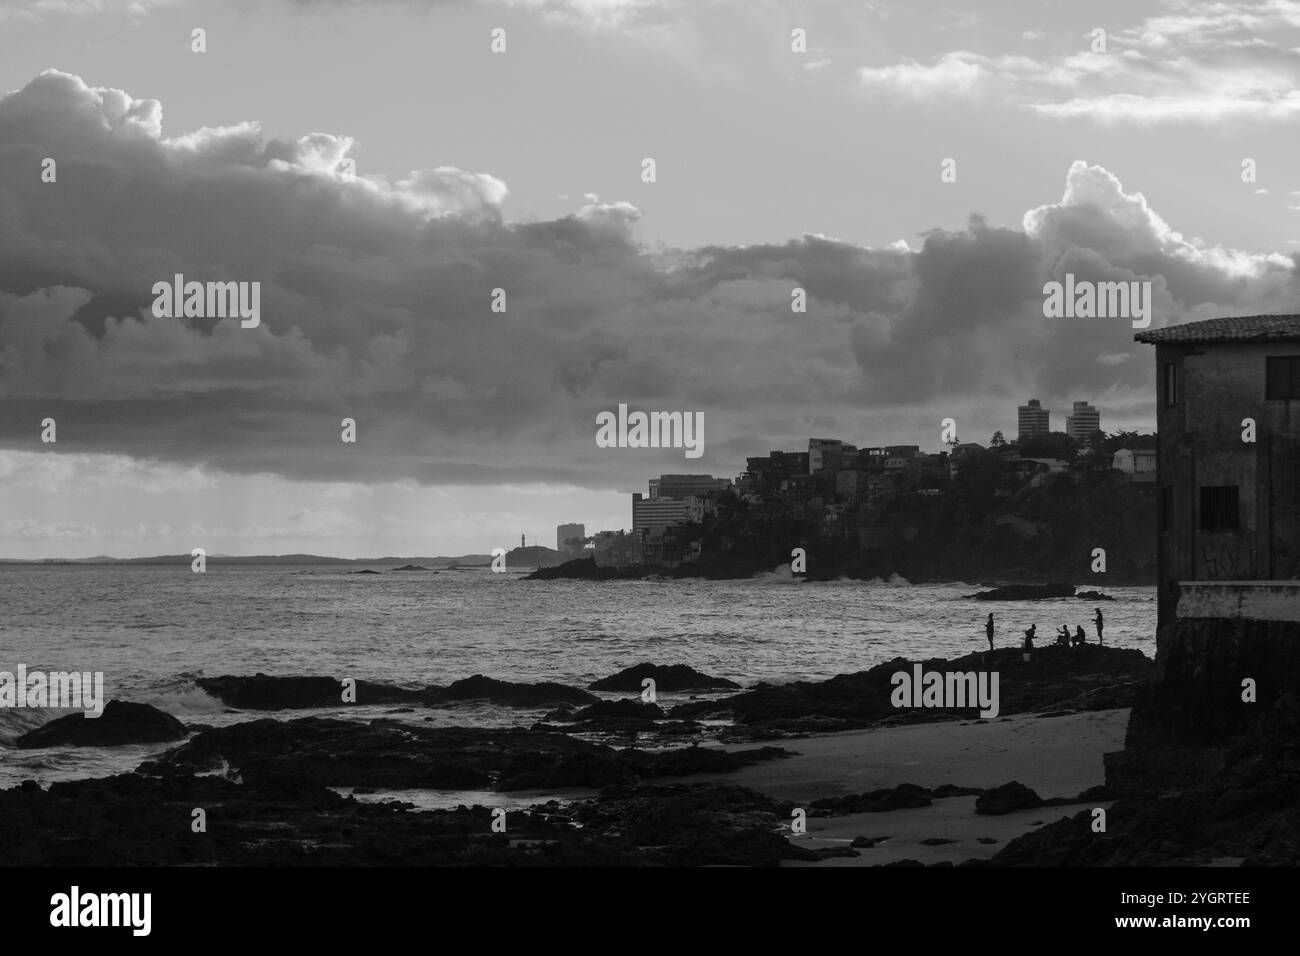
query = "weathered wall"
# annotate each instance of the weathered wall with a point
(1252, 600)
(1200, 443)
(1185, 718)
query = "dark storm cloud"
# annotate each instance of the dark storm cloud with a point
(376, 305)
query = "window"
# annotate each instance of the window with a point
(1219, 508)
(1171, 383)
(1167, 508)
(1282, 373)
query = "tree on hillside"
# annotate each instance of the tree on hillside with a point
(1055, 445)
(997, 441)
(1128, 439)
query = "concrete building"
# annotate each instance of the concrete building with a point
(565, 533)
(1228, 546)
(699, 507)
(1082, 422)
(827, 454)
(1033, 420)
(1228, 504)
(1139, 464)
(656, 512)
(683, 486)
(960, 453)
(767, 474)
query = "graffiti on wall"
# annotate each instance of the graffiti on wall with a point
(1221, 559)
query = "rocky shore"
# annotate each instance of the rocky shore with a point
(271, 790)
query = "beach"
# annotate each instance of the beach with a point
(1056, 756)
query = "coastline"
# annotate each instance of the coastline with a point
(670, 794)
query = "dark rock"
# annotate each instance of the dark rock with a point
(1025, 592)
(261, 692)
(867, 842)
(365, 571)
(827, 852)
(799, 851)
(510, 694)
(610, 710)
(935, 841)
(903, 797)
(904, 863)
(120, 723)
(317, 751)
(133, 820)
(583, 569)
(1093, 794)
(1007, 798)
(1094, 596)
(672, 677)
(693, 825)
(985, 840)
(414, 567)
(1089, 677)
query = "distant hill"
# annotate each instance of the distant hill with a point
(264, 559)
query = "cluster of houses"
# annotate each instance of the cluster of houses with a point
(846, 491)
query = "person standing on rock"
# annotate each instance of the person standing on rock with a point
(988, 629)
(1099, 637)
(1029, 641)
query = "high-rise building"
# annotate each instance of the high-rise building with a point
(1083, 422)
(1034, 420)
(565, 532)
(657, 512)
(683, 486)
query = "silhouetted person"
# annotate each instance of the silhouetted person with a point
(1029, 641)
(1099, 622)
(1080, 638)
(988, 629)
(1063, 636)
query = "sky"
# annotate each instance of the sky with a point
(380, 170)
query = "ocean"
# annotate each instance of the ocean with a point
(153, 630)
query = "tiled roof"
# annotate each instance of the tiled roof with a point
(1245, 328)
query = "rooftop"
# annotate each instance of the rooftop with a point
(1245, 328)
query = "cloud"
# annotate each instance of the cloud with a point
(376, 303)
(35, 11)
(599, 14)
(1201, 62)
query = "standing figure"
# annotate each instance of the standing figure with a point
(988, 629)
(1099, 622)
(1029, 642)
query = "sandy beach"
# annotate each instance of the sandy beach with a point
(1054, 756)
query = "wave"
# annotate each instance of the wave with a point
(179, 696)
(781, 574)
(16, 721)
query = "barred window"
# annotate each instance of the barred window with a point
(1219, 510)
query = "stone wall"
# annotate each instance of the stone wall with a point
(1192, 710)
